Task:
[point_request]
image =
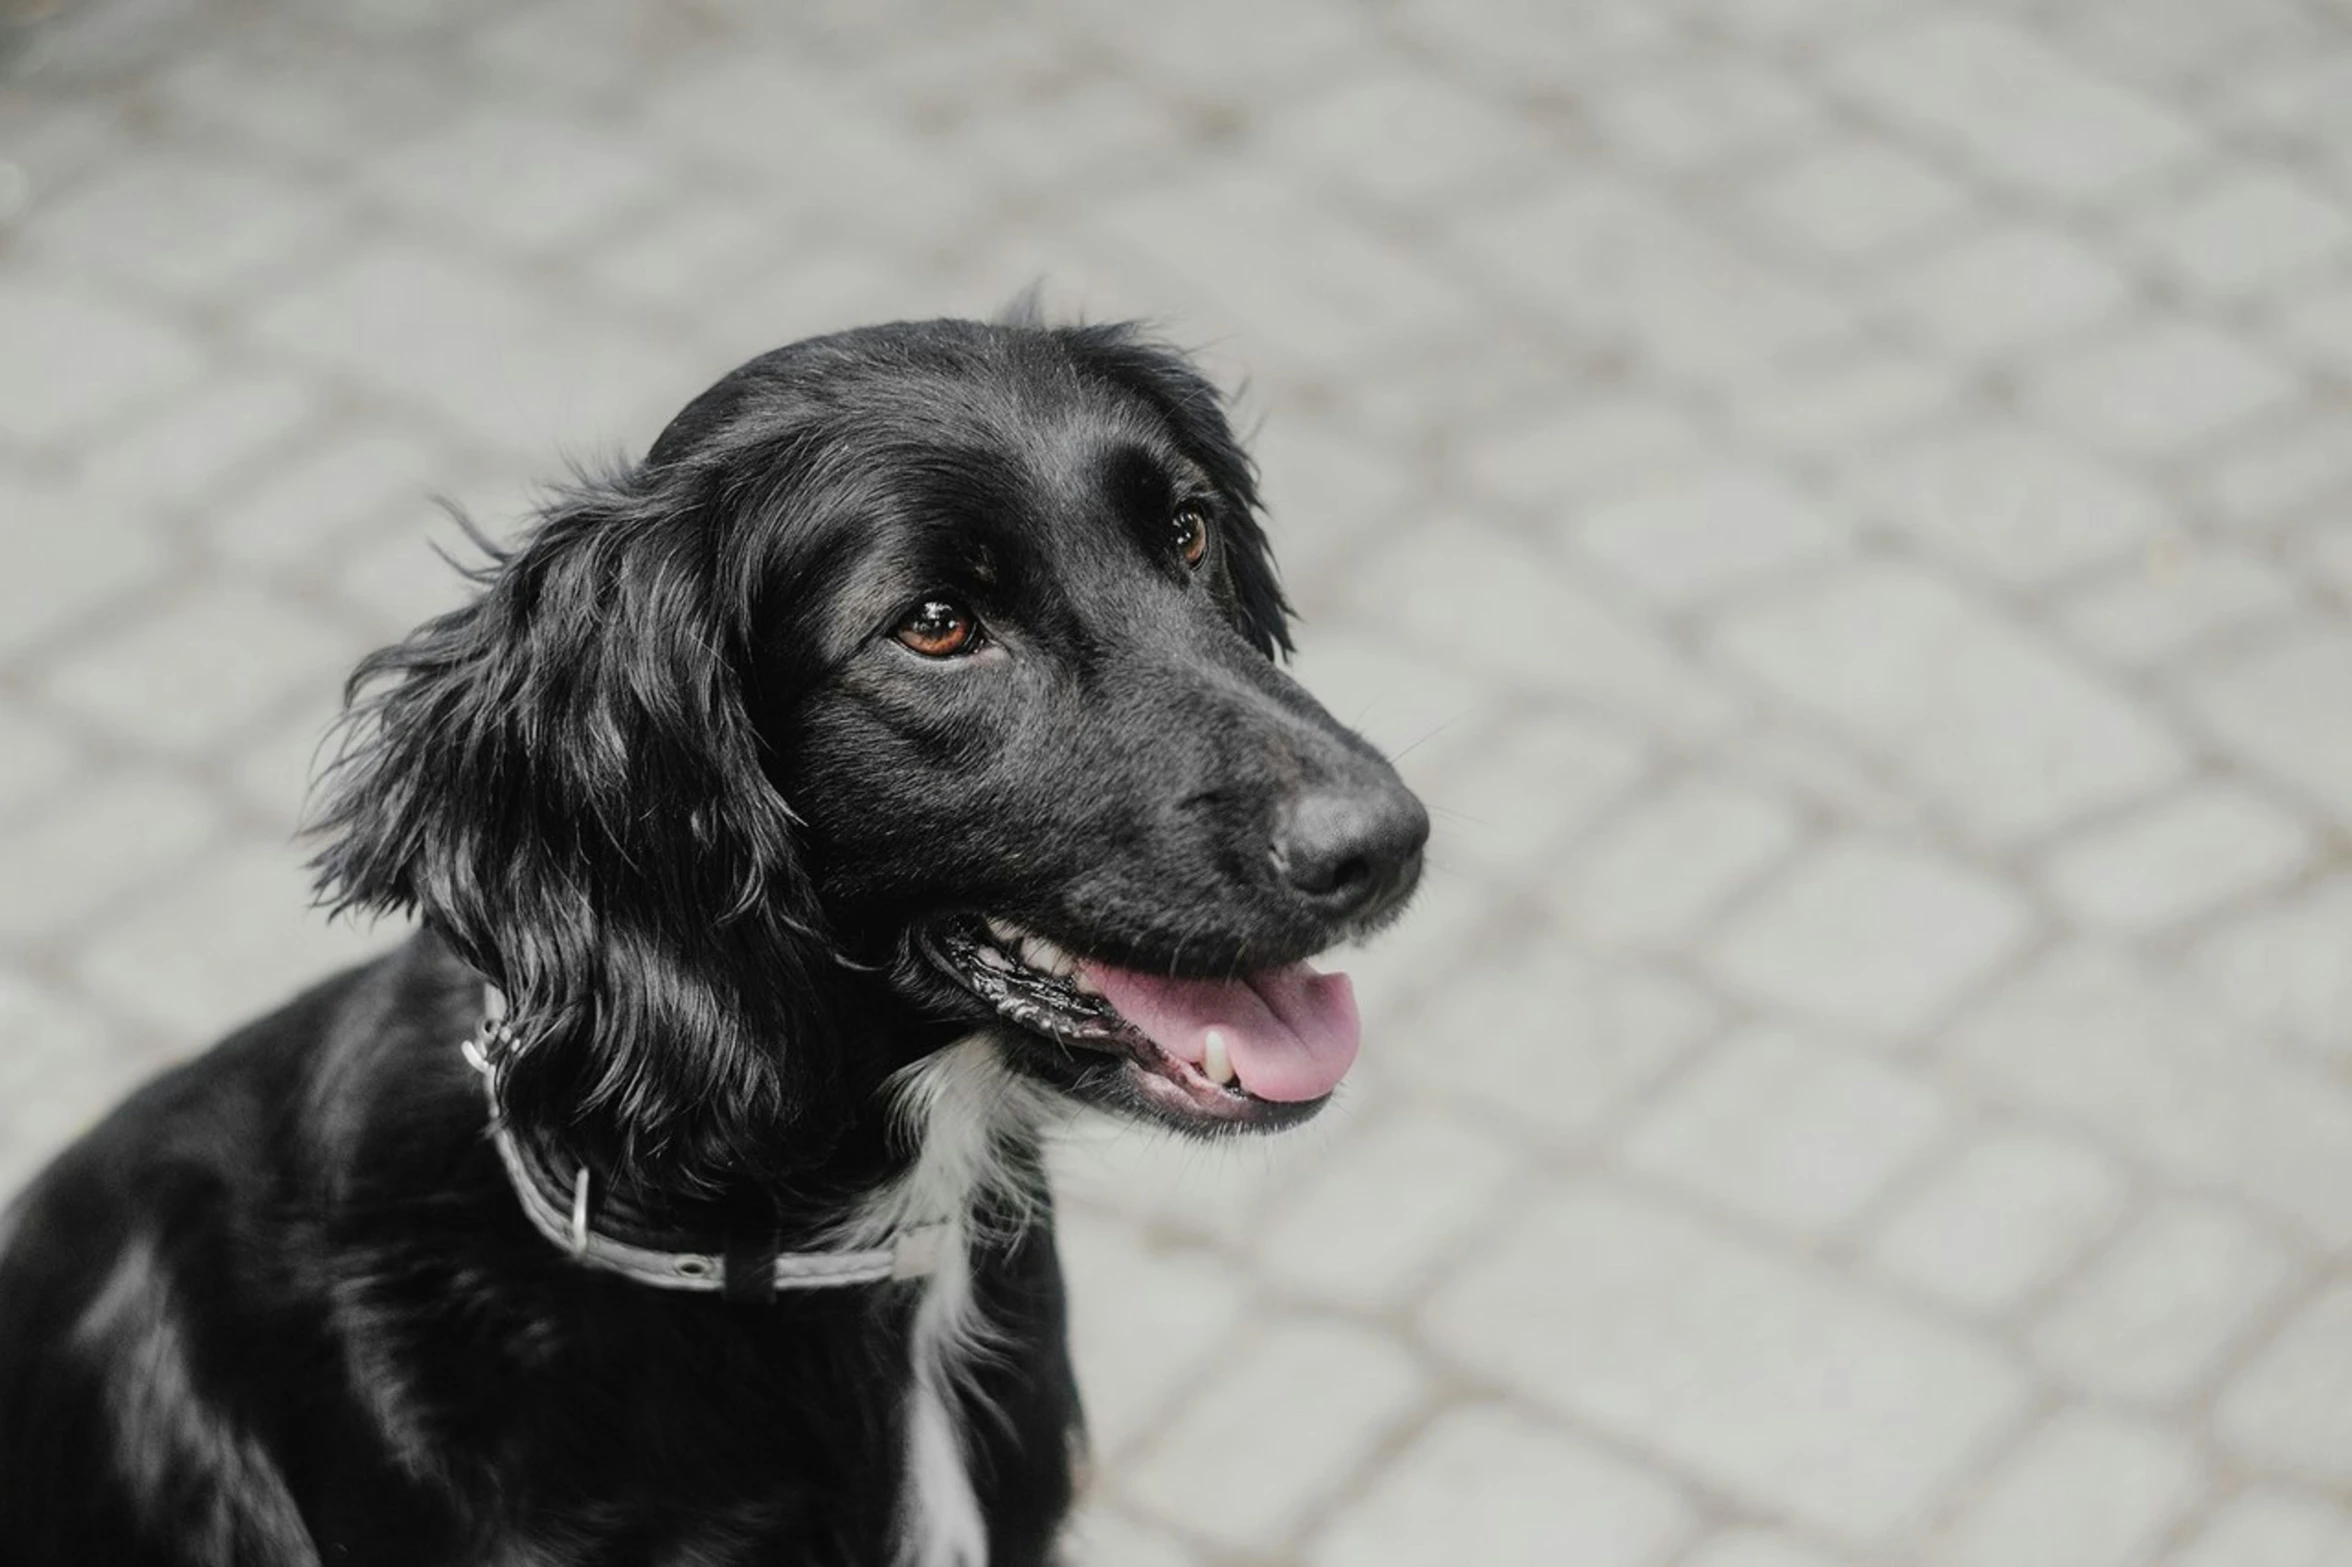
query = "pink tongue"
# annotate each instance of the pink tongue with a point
(1291, 1032)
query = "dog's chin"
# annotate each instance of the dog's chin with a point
(1066, 1032)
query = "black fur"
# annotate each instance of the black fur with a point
(670, 784)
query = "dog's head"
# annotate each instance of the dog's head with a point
(921, 677)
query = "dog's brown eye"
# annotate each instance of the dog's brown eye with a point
(938, 628)
(1192, 534)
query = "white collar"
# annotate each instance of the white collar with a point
(912, 1253)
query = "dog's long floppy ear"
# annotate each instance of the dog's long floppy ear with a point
(562, 778)
(1166, 380)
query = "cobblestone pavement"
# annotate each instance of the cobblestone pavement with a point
(1841, 505)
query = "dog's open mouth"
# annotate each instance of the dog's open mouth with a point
(1262, 1048)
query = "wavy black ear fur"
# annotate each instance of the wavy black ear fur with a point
(1184, 397)
(563, 779)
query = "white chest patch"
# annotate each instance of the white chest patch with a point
(965, 1112)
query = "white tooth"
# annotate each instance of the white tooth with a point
(1217, 1059)
(1043, 954)
(1005, 931)
(1083, 982)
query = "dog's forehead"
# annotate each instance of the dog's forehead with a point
(982, 451)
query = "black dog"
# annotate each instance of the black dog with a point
(798, 820)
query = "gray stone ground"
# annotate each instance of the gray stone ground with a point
(1840, 504)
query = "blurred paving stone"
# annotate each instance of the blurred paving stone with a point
(2160, 386)
(2005, 1216)
(685, 250)
(1784, 1129)
(2108, 1042)
(1854, 396)
(174, 461)
(1173, 1184)
(1370, 1220)
(2282, 968)
(1100, 1534)
(2298, 97)
(2006, 500)
(59, 1074)
(1531, 42)
(1870, 935)
(183, 677)
(1403, 137)
(1275, 1430)
(1186, 1305)
(269, 943)
(2330, 553)
(275, 771)
(2289, 1412)
(2177, 41)
(1750, 1549)
(1487, 1486)
(154, 221)
(2010, 106)
(2010, 736)
(1688, 540)
(1557, 458)
(2280, 708)
(2266, 1527)
(1076, 134)
(760, 114)
(1715, 110)
(76, 360)
(1505, 800)
(1621, 267)
(1322, 296)
(1827, 778)
(1851, 199)
(2013, 285)
(592, 46)
(1407, 704)
(823, 284)
(1662, 867)
(71, 562)
(525, 177)
(457, 340)
(2153, 1316)
(2279, 470)
(2247, 232)
(308, 95)
(1500, 605)
(2165, 606)
(399, 580)
(2178, 857)
(70, 858)
(1802, 1397)
(308, 503)
(1328, 495)
(2088, 1490)
(1289, 46)
(1552, 1038)
(35, 757)
(2318, 327)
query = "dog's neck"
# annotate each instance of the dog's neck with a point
(953, 1134)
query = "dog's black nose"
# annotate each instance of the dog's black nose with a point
(1353, 852)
